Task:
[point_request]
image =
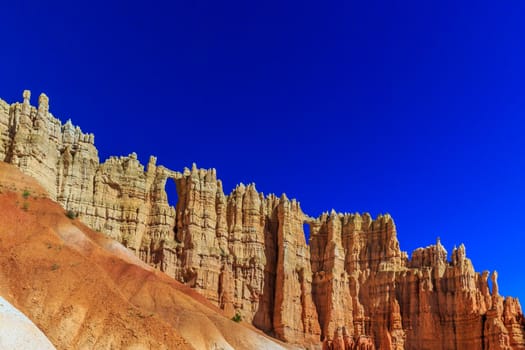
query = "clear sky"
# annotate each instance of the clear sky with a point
(409, 107)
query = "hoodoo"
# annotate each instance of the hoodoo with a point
(350, 288)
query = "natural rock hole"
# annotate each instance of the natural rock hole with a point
(306, 230)
(171, 192)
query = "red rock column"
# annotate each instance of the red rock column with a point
(295, 316)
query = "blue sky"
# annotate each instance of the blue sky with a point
(412, 108)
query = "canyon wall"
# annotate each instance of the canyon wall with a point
(350, 287)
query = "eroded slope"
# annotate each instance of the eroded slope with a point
(86, 291)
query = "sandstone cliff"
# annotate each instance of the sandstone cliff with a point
(351, 287)
(86, 291)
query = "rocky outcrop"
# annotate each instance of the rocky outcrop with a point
(84, 290)
(353, 257)
(350, 287)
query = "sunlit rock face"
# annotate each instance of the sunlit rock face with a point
(350, 287)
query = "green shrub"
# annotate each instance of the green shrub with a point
(55, 267)
(223, 253)
(237, 318)
(25, 206)
(26, 194)
(71, 214)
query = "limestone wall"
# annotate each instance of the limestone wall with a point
(351, 287)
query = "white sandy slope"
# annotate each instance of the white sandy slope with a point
(17, 332)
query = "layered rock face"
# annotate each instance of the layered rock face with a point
(117, 197)
(350, 288)
(364, 286)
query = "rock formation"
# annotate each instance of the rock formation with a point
(350, 288)
(84, 290)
